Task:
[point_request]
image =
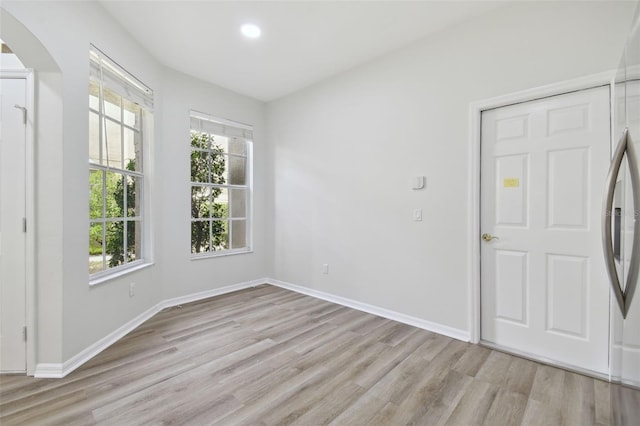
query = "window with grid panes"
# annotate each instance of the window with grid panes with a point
(118, 104)
(220, 186)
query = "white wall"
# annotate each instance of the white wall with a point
(344, 151)
(71, 314)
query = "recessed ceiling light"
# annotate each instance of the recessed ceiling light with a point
(251, 30)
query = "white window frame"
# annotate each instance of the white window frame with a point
(226, 128)
(108, 74)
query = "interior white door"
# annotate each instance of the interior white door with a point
(12, 235)
(544, 289)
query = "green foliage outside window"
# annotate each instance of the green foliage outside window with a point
(207, 203)
(95, 207)
(115, 232)
(113, 184)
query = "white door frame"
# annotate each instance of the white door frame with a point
(475, 112)
(30, 255)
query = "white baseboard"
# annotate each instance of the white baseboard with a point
(49, 371)
(455, 333)
(61, 370)
(52, 370)
(210, 293)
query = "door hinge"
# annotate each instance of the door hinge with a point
(24, 113)
(24, 224)
(24, 333)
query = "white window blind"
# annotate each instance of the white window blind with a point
(105, 70)
(219, 126)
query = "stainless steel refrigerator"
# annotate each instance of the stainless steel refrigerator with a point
(621, 234)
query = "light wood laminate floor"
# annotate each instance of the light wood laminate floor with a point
(270, 356)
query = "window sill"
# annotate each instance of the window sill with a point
(225, 253)
(118, 274)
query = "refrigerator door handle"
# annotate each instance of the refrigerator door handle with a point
(623, 297)
(607, 212)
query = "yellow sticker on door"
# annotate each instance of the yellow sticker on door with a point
(511, 183)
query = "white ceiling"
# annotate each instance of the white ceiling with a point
(302, 42)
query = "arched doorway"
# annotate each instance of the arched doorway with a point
(34, 80)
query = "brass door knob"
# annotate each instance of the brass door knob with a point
(488, 237)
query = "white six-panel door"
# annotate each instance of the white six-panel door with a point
(12, 236)
(544, 291)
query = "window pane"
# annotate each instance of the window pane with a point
(112, 104)
(199, 140)
(96, 237)
(95, 193)
(94, 95)
(132, 150)
(238, 203)
(115, 195)
(113, 144)
(134, 191)
(134, 240)
(237, 167)
(220, 203)
(115, 244)
(221, 142)
(131, 113)
(219, 235)
(238, 234)
(201, 199)
(94, 138)
(217, 166)
(237, 146)
(200, 236)
(200, 166)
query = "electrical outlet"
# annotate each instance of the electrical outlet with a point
(132, 289)
(325, 268)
